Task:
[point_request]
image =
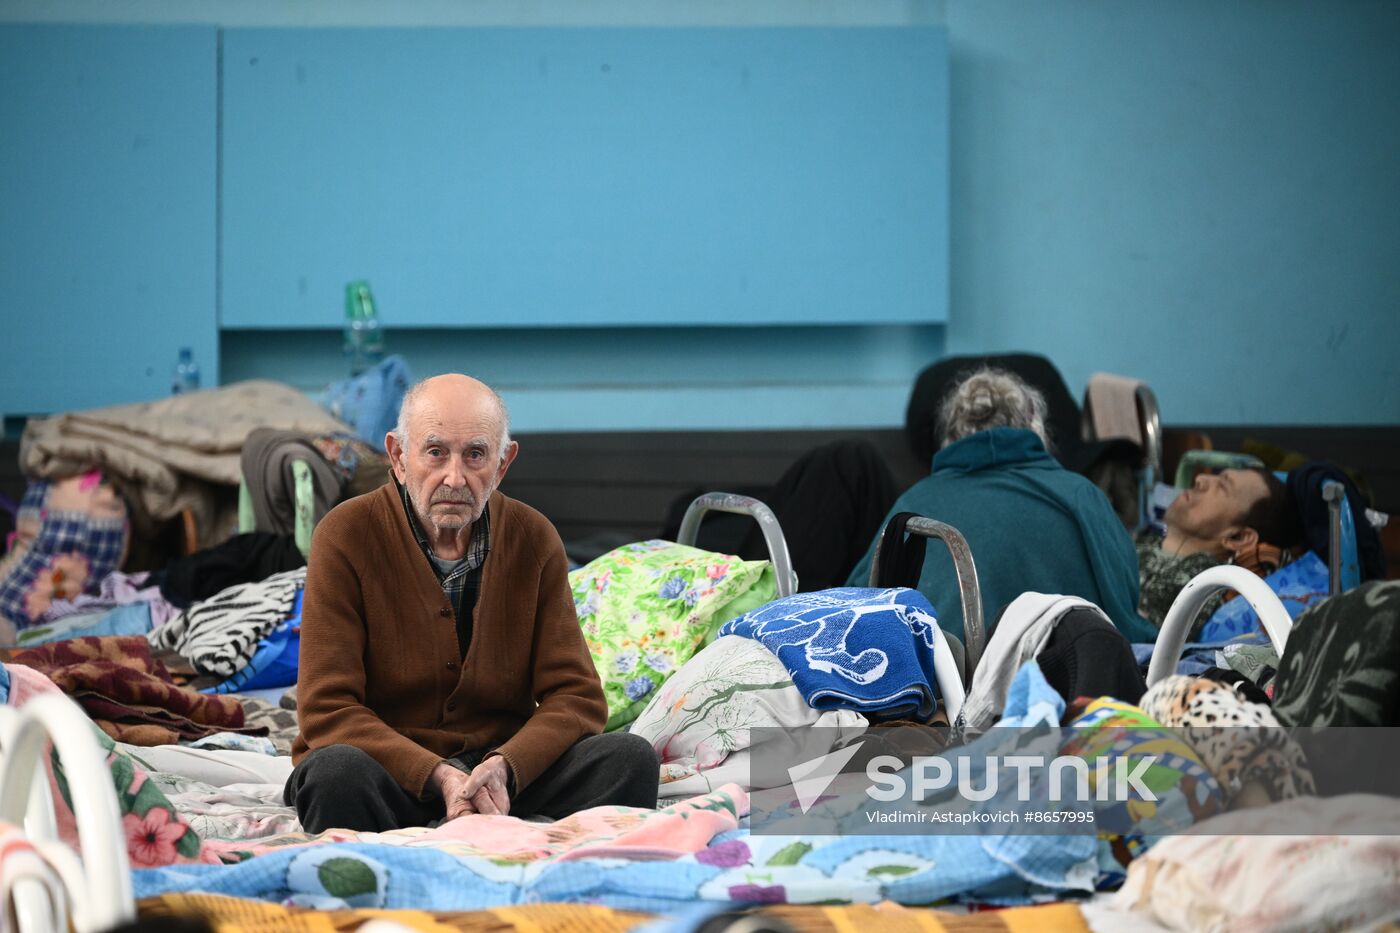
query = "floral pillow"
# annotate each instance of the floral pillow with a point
(156, 834)
(701, 722)
(646, 608)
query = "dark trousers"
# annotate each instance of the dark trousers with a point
(341, 787)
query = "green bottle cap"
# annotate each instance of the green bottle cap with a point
(359, 303)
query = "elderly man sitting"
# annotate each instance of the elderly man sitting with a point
(443, 671)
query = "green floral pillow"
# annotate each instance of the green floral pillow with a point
(646, 609)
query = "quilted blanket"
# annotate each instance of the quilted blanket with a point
(233, 915)
(171, 454)
(659, 861)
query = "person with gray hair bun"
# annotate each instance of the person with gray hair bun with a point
(1032, 525)
(991, 398)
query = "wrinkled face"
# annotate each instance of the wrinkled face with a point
(1216, 504)
(450, 464)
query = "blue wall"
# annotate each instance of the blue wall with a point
(1205, 195)
(107, 212)
(1200, 194)
(675, 378)
(580, 177)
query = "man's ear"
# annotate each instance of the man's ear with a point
(506, 460)
(1240, 538)
(395, 450)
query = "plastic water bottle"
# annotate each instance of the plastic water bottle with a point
(364, 341)
(186, 373)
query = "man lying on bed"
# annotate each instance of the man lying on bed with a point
(443, 671)
(1237, 516)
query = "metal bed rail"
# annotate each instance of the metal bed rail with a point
(95, 891)
(1151, 435)
(759, 512)
(1189, 602)
(974, 634)
(1343, 564)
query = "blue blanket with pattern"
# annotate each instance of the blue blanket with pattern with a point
(859, 648)
(738, 867)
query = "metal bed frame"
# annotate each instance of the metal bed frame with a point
(1189, 602)
(945, 665)
(91, 891)
(759, 512)
(1150, 422)
(952, 681)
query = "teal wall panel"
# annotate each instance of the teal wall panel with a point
(1199, 194)
(637, 378)
(571, 177)
(107, 212)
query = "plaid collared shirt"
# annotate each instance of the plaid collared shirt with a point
(465, 575)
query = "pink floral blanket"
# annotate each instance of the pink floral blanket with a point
(618, 832)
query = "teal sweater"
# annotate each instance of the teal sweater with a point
(1032, 525)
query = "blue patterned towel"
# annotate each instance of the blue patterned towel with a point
(852, 648)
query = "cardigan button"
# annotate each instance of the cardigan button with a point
(451, 665)
(444, 612)
(451, 707)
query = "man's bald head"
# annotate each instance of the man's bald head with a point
(450, 451)
(437, 395)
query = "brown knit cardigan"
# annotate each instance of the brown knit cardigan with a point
(380, 666)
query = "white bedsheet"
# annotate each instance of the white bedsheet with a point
(217, 766)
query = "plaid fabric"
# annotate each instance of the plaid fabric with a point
(454, 583)
(70, 554)
(32, 504)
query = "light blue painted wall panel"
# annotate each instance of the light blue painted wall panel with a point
(107, 212)
(639, 378)
(551, 177)
(1200, 194)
